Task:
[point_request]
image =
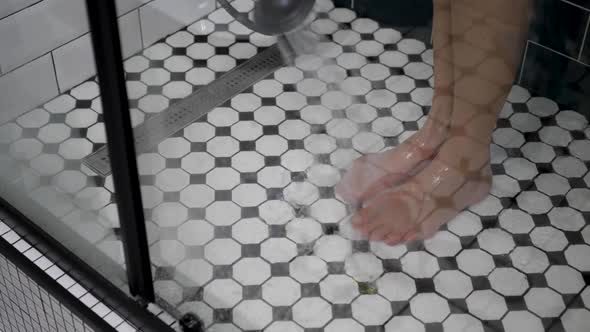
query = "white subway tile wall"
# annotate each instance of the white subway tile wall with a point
(27, 87)
(8, 7)
(45, 45)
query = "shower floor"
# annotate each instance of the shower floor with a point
(245, 229)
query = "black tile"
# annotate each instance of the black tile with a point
(397, 13)
(433, 327)
(222, 232)
(196, 213)
(279, 269)
(341, 311)
(559, 26)
(343, 3)
(251, 250)
(336, 268)
(281, 313)
(222, 315)
(197, 179)
(250, 212)
(222, 271)
(252, 292)
(556, 77)
(424, 285)
(172, 196)
(310, 290)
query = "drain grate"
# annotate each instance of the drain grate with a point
(180, 115)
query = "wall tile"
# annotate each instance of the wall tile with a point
(74, 62)
(581, 3)
(396, 13)
(162, 17)
(39, 29)
(26, 88)
(585, 56)
(559, 26)
(343, 3)
(130, 33)
(557, 77)
(125, 6)
(8, 7)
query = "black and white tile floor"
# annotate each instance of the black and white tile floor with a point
(38, 301)
(244, 226)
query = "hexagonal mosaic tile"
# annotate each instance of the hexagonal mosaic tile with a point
(245, 229)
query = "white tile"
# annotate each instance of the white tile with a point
(522, 320)
(363, 267)
(529, 259)
(308, 269)
(420, 264)
(544, 302)
(564, 279)
(162, 17)
(508, 281)
(574, 320)
(453, 284)
(332, 248)
(251, 271)
(222, 293)
(26, 87)
(371, 310)
(312, 312)
(244, 313)
(404, 323)
(429, 307)
(487, 305)
(281, 291)
(39, 29)
(396, 286)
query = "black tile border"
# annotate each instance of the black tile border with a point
(52, 287)
(81, 272)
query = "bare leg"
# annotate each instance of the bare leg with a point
(373, 173)
(487, 40)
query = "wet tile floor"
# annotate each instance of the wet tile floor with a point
(244, 226)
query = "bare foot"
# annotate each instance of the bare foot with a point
(458, 177)
(373, 173)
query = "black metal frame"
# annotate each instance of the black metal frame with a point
(121, 145)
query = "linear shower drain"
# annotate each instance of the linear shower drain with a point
(183, 113)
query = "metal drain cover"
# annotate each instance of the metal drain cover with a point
(180, 115)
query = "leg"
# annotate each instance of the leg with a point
(486, 44)
(375, 172)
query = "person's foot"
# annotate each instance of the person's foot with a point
(373, 173)
(458, 177)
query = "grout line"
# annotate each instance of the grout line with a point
(44, 54)
(20, 10)
(584, 38)
(140, 28)
(523, 62)
(562, 54)
(55, 74)
(576, 5)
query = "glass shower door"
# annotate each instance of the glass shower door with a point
(44, 177)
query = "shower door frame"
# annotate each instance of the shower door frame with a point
(102, 17)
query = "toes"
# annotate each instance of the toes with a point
(393, 239)
(379, 233)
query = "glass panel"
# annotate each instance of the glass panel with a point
(479, 186)
(45, 134)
